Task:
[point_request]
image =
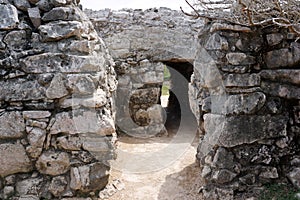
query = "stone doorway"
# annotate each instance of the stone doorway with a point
(178, 101)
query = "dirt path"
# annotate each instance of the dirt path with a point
(161, 168)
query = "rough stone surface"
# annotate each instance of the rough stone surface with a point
(8, 17)
(12, 125)
(53, 163)
(13, 159)
(294, 177)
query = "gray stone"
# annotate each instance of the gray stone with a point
(283, 57)
(8, 191)
(269, 173)
(242, 80)
(223, 176)
(80, 121)
(16, 40)
(22, 4)
(240, 59)
(57, 88)
(28, 186)
(44, 5)
(206, 171)
(35, 16)
(57, 3)
(63, 13)
(282, 75)
(218, 193)
(13, 159)
(238, 130)
(50, 62)
(8, 17)
(99, 147)
(21, 90)
(216, 42)
(36, 114)
(28, 197)
(235, 69)
(53, 163)
(12, 125)
(243, 103)
(36, 136)
(89, 177)
(222, 26)
(276, 89)
(223, 159)
(274, 38)
(81, 84)
(69, 143)
(58, 185)
(58, 30)
(294, 177)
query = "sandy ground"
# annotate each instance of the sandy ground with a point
(159, 168)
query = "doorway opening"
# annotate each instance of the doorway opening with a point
(175, 96)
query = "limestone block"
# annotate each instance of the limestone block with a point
(36, 136)
(12, 125)
(235, 69)
(223, 176)
(277, 89)
(294, 177)
(53, 163)
(218, 193)
(8, 17)
(58, 30)
(69, 143)
(274, 38)
(58, 185)
(223, 26)
(55, 62)
(21, 90)
(16, 40)
(80, 121)
(13, 159)
(36, 114)
(57, 88)
(240, 59)
(281, 58)
(22, 4)
(216, 42)
(28, 186)
(35, 16)
(238, 130)
(63, 13)
(269, 173)
(28, 197)
(242, 80)
(282, 75)
(82, 84)
(89, 177)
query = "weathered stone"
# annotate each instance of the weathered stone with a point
(223, 176)
(8, 191)
(57, 88)
(12, 125)
(13, 159)
(294, 177)
(206, 171)
(235, 69)
(223, 159)
(44, 5)
(8, 17)
(81, 84)
(242, 80)
(53, 163)
(218, 193)
(252, 42)
(16, 40)
(274, 38)
(22, 4)
(21, 90)
(57, 3)
(156, 114)
(58, 30)
(50, 62)
(36, 136)
(29, 197)
(58, 185)
(238, 130)
(221, 26)
(216, 42)
(35, 16)
(240, 59)
(282, 75)
(69, 143)
(36, 114)
(283, 57)
(28, 186)
(281, 90)
(243, 103)
(89, 177)
(80, 121)
(269, 173)
(99, 147)
(63, 13)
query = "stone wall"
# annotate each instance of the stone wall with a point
(140, 41)
(56, 102)
(246, 96)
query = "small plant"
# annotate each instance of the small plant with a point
(279, 192)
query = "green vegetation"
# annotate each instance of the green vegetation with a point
(167, 74)
(165, 90)
(279, 192)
